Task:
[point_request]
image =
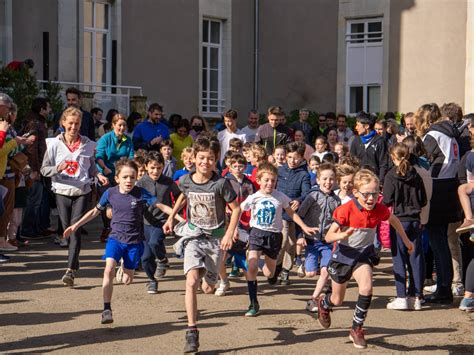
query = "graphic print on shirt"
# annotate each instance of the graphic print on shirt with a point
(266, 212)
(71, 168)
(202, 208)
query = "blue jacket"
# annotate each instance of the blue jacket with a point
(110, 150)
(144, 132)
(294, 183)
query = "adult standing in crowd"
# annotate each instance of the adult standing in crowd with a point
(439, 137)
(181, 139)
(70, 163)
(369, 147)
(251, 128)
(303, 125)
(344, 133)
(149, 134)
(110, 148)
(330, 122)
(273, 133)
(198, 125)
(230, 131)
(35, 123)
(11, 147)
(73, 99)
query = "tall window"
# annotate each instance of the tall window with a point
(212, 100)
(97, 44)
(364, 65)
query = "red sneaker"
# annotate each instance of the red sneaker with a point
(357, 338)
(324, 315)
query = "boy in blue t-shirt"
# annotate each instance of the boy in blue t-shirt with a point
(126, 237)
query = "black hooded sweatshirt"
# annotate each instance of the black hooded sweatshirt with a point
(406, 194)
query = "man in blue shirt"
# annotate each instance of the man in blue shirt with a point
(149, 134)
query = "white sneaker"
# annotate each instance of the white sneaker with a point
(398, 303)
(458, 290)
(414, 303)
(119, 274)
(107, 317)
(223, 288)
(301, 271)
(430, 289)
(312, 306)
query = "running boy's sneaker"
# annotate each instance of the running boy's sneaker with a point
(192, 341)
(467, 304)
(223, 288)
(107, 317)
(324, 315)
(398, 303)
(119, 273)
(4, 258)
(152, 287)
(312, 306)
(253, 310)
(68, 278)
(235, 272)
(301, 271)
(357, 338)
(431, 289)
(161, 269)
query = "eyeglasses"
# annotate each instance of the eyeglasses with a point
(366, 195)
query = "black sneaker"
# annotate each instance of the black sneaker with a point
(273, 280)
(152, 287)
(285, 277)
(68, 278)
(4, 258)
(192, 341)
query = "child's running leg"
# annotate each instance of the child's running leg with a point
(327, 302)
(127, 276)
(107, 289)
(269, 267)
(193, 278)
(224, 284)
(253, 257)
(363, 277)
(322, 280)
(464, 192)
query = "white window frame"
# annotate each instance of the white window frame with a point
(364, 43)
(205, 95)
(94, 85)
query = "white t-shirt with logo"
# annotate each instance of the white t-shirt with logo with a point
(224, 138)
(266, 210)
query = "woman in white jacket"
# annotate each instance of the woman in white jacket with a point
(69, 162)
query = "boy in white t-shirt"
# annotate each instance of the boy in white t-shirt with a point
(230, 131)
(266, 222)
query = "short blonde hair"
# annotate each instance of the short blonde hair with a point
(259, 152)
(364, 177)
(187, 151)
(71, 111)
(266, 168)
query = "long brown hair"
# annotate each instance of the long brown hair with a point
(425, 116)
(401, 152)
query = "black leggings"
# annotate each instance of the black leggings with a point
(70, 210)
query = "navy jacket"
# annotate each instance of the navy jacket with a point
(294, 183)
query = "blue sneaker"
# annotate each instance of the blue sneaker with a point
(467, 304)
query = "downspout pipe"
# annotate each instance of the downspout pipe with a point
(256, 54)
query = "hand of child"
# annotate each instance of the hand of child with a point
(348, 232)
(62, 166)
(226, 243)
(410, 247)
(68, 231)
(235, 237)
(168, 227)
(294, 205)
(310, 230)
(301, 242)
(102, 179)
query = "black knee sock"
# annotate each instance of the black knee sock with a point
(327, 304)
(107, 306)
(361, 309)
(252, 285)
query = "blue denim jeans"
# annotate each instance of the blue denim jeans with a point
(154, 249)
(438, 235)
(414, 262)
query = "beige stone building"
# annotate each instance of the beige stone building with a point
(204, 56)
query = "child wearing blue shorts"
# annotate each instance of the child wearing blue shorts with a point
(316, 211)
(125, 240)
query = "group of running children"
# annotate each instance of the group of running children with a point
(242, 215)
